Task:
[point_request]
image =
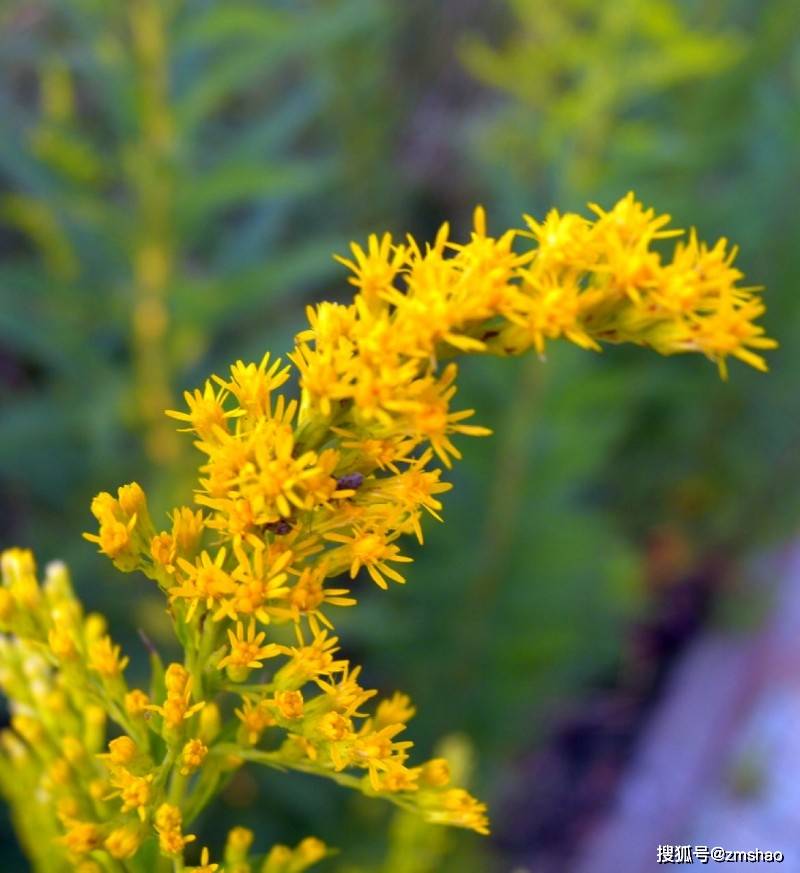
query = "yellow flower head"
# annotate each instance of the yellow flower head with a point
(136, 702)
(135, 792)
(168, 822)
(82, 837)
(294, 495)
(177, 706)
(123, 842)
(121, 750)
(206, 411)
(105, 658)
(246, 651)
(289, 704)
(192, 756)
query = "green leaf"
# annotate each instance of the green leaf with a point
(221, 80)
(229, 298)
(233, 185)
(220, 22)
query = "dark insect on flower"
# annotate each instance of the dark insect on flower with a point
(350, 482)
(280, 527)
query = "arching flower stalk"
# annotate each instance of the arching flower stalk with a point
(297, 496)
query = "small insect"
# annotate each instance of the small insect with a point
(350, 482)
(280, 527)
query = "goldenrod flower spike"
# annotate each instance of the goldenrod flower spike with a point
(296, 498)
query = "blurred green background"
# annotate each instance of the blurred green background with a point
(174, 177)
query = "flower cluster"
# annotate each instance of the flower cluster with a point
(295, 499)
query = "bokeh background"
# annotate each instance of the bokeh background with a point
(174, 177)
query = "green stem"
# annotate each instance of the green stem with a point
(196, 664)
(277, 761)
(177, 789)
(204, 791)
(152, 180)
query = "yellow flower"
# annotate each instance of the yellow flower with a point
(205, 582)
(309, 594)
(563, 241)
(396, 778)
(123, 842)
(335, 727)
(551, 308)
(277, 860)
(132, 499)
(459, 808)
(192, 756)
(136, 702)
(187, 529)
(252, 385)
(206, 411)
(628, 223)
(135, 792)
(255, 717)
(274, 481)
(114, 538)
(168, 824)
(344, 693)
(177, 707)
(427, 413)
(730, 331)
(378, 751)
(162, 549)
(435, 772)
(239, 841)
(60, 639)
(309, 851)
(289, 704)
(260, 582)
(210, 722)
(310, 661)
(396, 710)
(412, 490)
(374, 270)
(371, 549)
(247, 652)
(82, 837)
(121, 750)
(104, 658)
(123, 522)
